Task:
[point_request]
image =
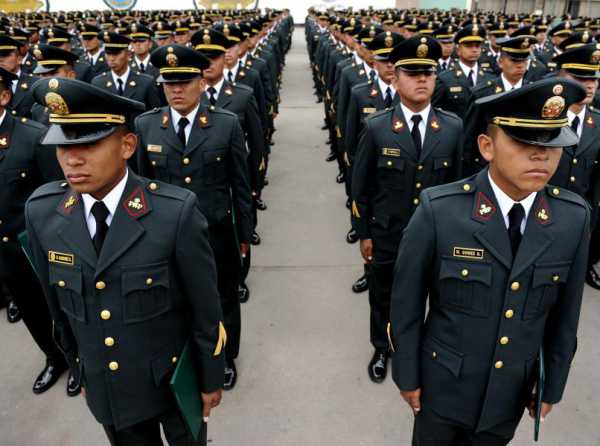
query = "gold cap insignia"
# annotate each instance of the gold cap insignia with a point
(106, 37)
(389, 41)
(475, 30)
(422, 50)
(557, 89)
(585, 37)
(423, 39)
(553, 107)
(595, 58)
(37, 53)
(53, 84)
(226, 30)
(525, 44)
(134, 28)
(372, 32)
(56, 103)
(206, 38)
(51, 34)
(172, 59)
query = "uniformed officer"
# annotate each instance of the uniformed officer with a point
(141, 41)
(579, 169)
(94, 53)
(502, 257)
(24, 165)
(453, 87)
(121, 79)
(403, 149)
(445, 36)
(127, 269)
(163, 33)
(202, 148)
(181, 32)
(10, 60)
(535, 69)
(512, 61)
(238, 99)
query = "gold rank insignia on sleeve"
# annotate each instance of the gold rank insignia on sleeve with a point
(61, 257)
(355, 212)
(222, 341)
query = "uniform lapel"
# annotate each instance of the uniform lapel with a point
(125, 229)
(74, 231)
(198, 134)
(20, 92)
(588, 134)
(130, 85)
(168, 135)
(537, 238)
(493, 235)
(432, 134)
(6, 131)
(402, 134)
(225, 95)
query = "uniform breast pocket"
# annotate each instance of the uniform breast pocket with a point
(441, 167)
(158, 160)
(215, 167)
(68, 283)
(17, 175)
(390, 170)
(548, 279)
(145, 291)
(465, 286)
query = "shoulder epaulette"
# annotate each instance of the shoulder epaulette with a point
(565, 195)
(166, 190)
(447, 113)
(462, 187)
(52, 188)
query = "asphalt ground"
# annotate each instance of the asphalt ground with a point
(305, 341)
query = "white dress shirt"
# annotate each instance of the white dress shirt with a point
(506, 203)
(146, 62)
(571, 116)
(508, 86)
(465, 69)
(2, 117)
(94, 58)
(357, 59)
(175, 117)
(111, 201)
(123, 78)
(383, 87)
(15, 82)
(368, 70)
(233, 71)
(408, 114)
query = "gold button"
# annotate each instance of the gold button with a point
(464, 272)
(153, 186)
(418, 185)
(109, 342)
(188, 180)
(174, 359)
(515, 286)
(149, 281)
(186, 161)
(555, 278)
(218, 158)
(556, 191)
(5, 239)
(100, 285)
(389, 163)
(114, 366)
(416, 201)
(445, 163)
(572, 179)
(499, 365)
(509, 314)
(434, 355)
(420, 167)
(154, 163)
(105, 315)
(466, 187)
(61, 283)
(574, 160)
(23, 175)
(504, 340)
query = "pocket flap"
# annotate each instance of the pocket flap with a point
(438, 352)
(144, 277)
(163, 364)
(65, 277)
(390, 162)
(157, 159)
(21, 173)
(551, 274)
(442, 163)
(213, 156)
(466, 271)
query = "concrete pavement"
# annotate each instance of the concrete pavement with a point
(305, 342)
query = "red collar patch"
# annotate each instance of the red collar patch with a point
(397, 125)
(135, 204)
(542, 212)
(484, 209)
(69, 203)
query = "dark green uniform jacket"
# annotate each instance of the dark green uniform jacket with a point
(474, 354)
(126, 314)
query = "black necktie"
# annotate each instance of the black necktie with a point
(388, 97)
(443, 66)
(211, 95)
(372, 75)
(471, 79)
(515, 218)
(100, 212)
(120, 87)
(183, 122)
(230, 77)
(575, 124)
(142, 68)
(416, 133)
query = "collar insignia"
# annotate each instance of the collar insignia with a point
(484, 208)
(165, 119)
(69, 203)
(242, 73)
(498, 89)
(4, 140)
(132, 83)
(135, 204)
(228, 91)
(398, 125)
(374, 92)
(542, 212)
(435, 125)
(590, 121)
(203, 119)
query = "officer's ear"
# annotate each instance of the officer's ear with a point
(128, 142)
(486, 143)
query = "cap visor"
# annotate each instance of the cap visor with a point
(551, 138)
(176, 77)
(71, 135)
